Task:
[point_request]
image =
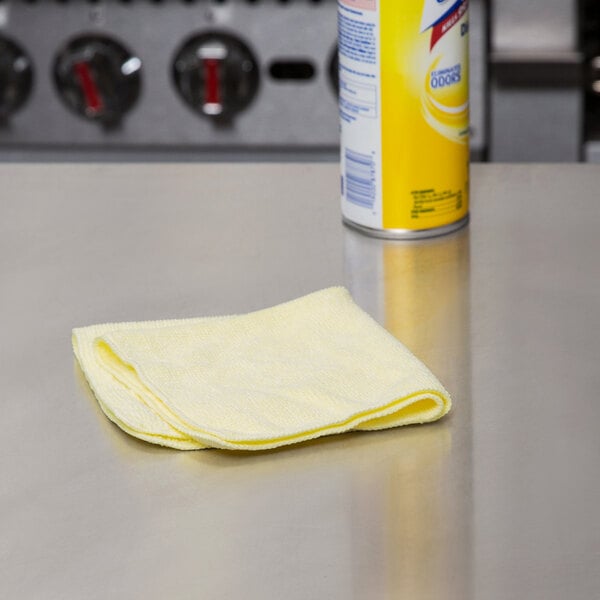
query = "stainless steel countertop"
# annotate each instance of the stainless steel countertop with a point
(500, 500)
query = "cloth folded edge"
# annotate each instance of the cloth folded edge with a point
(388, 416)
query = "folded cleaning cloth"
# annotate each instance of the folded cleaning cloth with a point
(314, 366)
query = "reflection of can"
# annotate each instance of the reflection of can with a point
(404, 112)
(420, 292)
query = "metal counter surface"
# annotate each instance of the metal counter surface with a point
(499, 500)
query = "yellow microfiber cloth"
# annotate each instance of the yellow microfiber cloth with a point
(314, 366)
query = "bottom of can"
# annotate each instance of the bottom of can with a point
(408, 234)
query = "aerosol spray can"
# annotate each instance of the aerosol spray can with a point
(404, 110)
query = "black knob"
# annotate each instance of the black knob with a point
(594, 76)
(216, 74)
(16, 77)
(98, 78)
(334, 68)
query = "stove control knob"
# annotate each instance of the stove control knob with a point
(98, 78)
(594, 75)
(16, 77)
(216, 74)
(334, 68)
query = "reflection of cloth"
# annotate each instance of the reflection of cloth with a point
(314, 366)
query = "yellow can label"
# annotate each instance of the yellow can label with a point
(404, 112)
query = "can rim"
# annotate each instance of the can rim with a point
(407, 234)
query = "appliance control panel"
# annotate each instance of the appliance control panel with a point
(217, 78)
(206, 76)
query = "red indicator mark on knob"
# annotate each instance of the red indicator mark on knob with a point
(212, 86)
(90, 90)
(211, 74)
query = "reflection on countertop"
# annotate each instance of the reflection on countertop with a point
(419, 290)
